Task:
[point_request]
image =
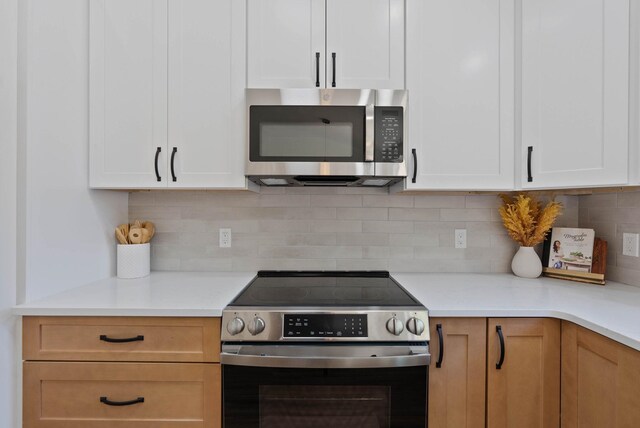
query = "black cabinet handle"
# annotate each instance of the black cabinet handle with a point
(106, 338)
(415, 165)
(529, 176)
(105, 400)
(501, 337)
(173, 158)
(441, 343)
(333, 82)
(158, 150)
(317, 69)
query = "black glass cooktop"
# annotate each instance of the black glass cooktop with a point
(324, 288)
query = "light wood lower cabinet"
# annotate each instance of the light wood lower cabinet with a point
(121, 372)
(74, 395)
(600, 381)
(121, 339)
(457, 384)
(525, 391)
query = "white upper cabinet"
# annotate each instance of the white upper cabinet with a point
(128, 93)
(634, 92)
(167, 81)
(286, 43)
(206, 93)
(298, 43)
(460, 78)
(575, 93)
(365, 44)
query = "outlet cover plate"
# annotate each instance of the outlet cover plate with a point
(225, 238)
(630, 244)
(460, 238)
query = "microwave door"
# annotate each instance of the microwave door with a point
(307, 134)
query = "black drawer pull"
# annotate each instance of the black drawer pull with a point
(317, 69)
(441, 343)
(106, 338)
(173, 159)
(105, 400)
(333, 57)
(529, 175)
(501, 337)
(158, 150)
(415, 165)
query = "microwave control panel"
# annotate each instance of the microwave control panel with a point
(388, 134)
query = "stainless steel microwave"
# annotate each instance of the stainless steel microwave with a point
(326, 137)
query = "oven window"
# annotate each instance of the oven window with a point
(315, 406)
(268, 397)
(306, 133)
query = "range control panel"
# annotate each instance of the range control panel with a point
(388, 134)
(324, 325)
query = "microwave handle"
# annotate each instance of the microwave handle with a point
(369, 131)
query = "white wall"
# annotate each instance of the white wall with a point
(8, 84)
(69, 228)
(56, 233)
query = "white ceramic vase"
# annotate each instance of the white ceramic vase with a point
(526, 263)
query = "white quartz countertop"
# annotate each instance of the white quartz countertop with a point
(612, 310)
(162, 294)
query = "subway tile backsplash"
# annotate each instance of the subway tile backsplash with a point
(611, 215)
(327, 228)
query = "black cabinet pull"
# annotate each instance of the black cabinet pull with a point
(415, 165)
(158, 150)
(173, 158)
(105, 400)
(317, 69)
(501, 337)
(333, 82)
(106, 338)
(441, 343)
(529, 176)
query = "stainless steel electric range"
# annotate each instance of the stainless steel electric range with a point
(315, 349)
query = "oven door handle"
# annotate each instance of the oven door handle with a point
(366, 357)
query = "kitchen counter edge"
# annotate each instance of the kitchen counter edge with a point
(612, 310)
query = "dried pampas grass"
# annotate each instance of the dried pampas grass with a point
(526, 219)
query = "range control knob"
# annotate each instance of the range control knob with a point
(395, 326)
(415, 326)
(235, 326)
(256, 326)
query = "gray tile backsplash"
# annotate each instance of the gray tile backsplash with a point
(611, 215)
(327, 228)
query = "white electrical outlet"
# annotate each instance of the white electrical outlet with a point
(630, 244)
(460, 238)
(225, 238)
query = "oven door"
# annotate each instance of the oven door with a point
(336, 386)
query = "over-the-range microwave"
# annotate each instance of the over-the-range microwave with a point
(326, 137)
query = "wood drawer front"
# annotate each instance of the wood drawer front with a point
(60, 394)
(78, 339)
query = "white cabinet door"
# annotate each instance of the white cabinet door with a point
(206, 93)
(460, 78)
(634, 92)
(128, 93)
(286, 43)
(365, 44)
(575, 92)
